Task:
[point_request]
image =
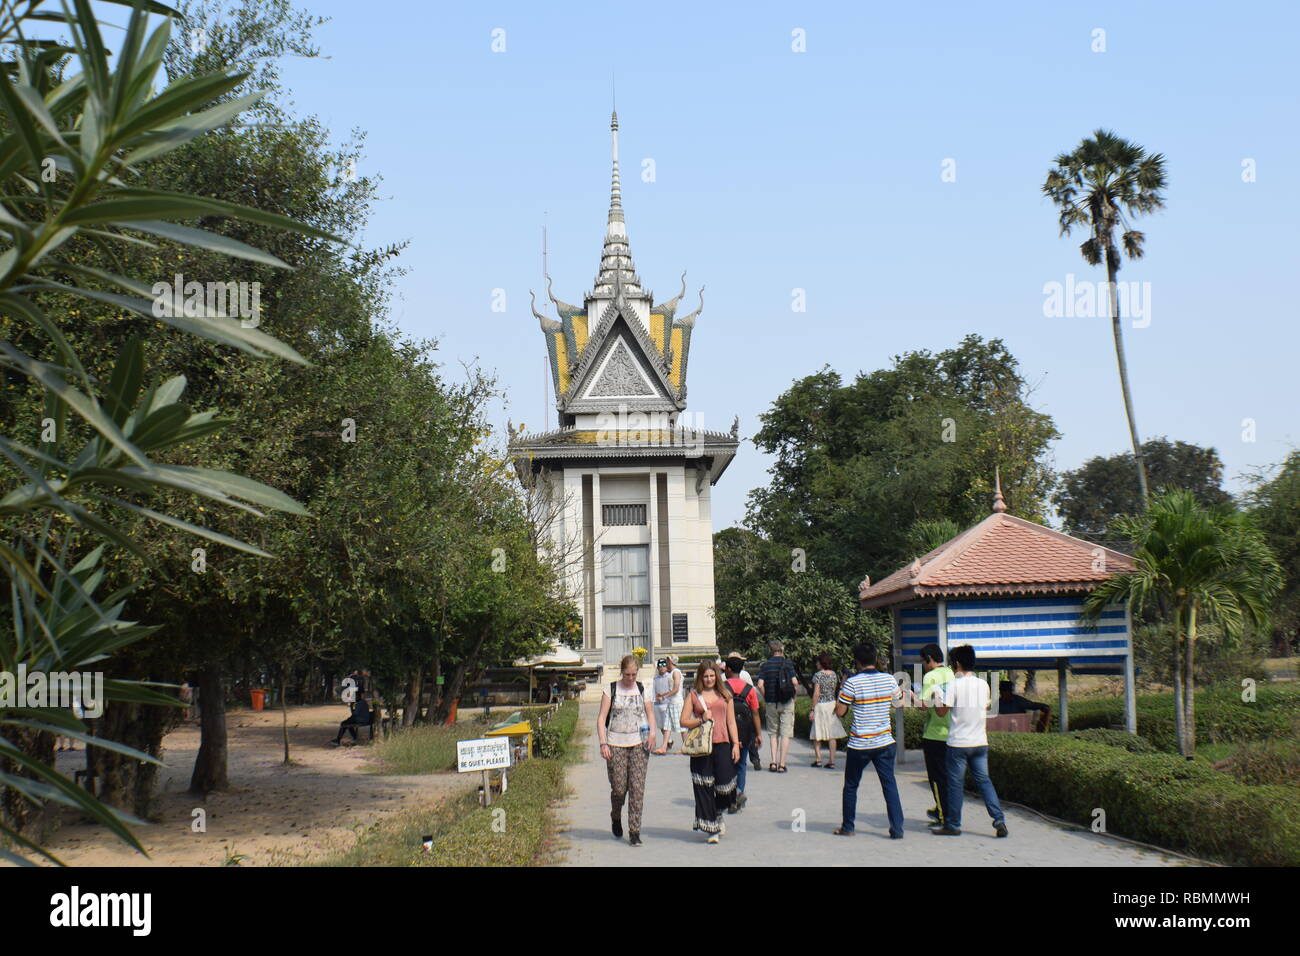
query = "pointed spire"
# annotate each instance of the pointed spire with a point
(616, 256)
(999, 505)
(615, 188)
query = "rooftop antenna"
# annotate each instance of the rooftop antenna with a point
(546, 361)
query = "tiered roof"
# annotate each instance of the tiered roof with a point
(579, 341)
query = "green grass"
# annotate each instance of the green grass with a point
(427, 749)
(517, 830)
(424, 749)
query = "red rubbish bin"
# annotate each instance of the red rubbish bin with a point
(259, 699)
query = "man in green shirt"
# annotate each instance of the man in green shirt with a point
(934, 742)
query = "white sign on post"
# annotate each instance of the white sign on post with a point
(486, 753)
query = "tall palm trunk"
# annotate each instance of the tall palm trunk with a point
(1189, 680)
(1179, 717)
(1112, 268)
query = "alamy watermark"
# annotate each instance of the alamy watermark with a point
(194, 299)
(1091, 300)
(79, 691)
(634, 429)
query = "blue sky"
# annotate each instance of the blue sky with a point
(821, 170)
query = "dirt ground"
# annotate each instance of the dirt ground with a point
(272, 815)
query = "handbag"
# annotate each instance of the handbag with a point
(698, 741)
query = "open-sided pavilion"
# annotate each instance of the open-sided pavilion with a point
(1014, 591)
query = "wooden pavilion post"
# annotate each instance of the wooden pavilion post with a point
(897, 657)
(1130, 677)
(1063, 691)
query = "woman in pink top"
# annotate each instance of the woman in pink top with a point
(713, 776)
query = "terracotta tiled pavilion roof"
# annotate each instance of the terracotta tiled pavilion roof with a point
(1000, 555)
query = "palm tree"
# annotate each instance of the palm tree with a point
(1197, 564)
(1105, 180)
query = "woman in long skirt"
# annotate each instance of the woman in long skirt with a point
(713, 775)
(825, 725)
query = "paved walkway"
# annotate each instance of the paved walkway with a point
(764, 833)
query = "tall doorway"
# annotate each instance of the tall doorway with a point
(625, 599)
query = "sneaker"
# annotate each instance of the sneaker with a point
(722, 824)
(634, 838)
(714, 838)
(934, 824)
(756, 761)
(945, 831)
(741, 800)
(932, 814)
(895, 836)
(617, 827)
(1001, 829)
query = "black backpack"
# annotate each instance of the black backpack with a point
(613, 687)
(784, 689)
(744, 713)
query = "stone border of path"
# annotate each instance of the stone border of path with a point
(768, 831)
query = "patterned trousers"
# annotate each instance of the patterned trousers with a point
(626, 768)
(713, 778)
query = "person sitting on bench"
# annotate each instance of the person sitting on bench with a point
(1009, 702)
(360, 718)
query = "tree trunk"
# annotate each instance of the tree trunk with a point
(1179, 717)
(284, 717)
(1189, 680)
(210, 771)
(1112, 267)
(1031, 682)
(458, 676)
(411, 706)
(435, 696)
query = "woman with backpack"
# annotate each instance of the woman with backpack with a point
(825, 725)
(713, 773)
(626, 728)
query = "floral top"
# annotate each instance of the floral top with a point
(829, 684)
(627, 720)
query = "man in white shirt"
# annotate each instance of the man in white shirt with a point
(966, 702)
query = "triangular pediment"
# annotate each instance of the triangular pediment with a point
(620, 368)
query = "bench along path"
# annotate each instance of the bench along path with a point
(764, 832)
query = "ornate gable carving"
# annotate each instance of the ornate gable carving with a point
(620, 376)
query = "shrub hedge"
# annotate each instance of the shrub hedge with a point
(1221, 715)
(1158, 798)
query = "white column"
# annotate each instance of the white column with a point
(598, 630)
(652, 525)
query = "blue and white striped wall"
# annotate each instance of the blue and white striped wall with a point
(1020, 633)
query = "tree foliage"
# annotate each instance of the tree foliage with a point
(858, 464)
(1103, 488)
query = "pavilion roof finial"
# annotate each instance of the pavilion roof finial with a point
(999, 505)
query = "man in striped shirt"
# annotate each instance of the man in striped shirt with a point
(871, 694)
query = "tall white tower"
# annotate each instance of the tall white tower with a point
(627, 477)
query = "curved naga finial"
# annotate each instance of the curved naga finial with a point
(689, 321)
(548, 325)
(561, 306)
(671, 305)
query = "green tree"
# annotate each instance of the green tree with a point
(858, 464)
(1103, 488)
(809, 612)
(1196, 564)
(1275, 505)
(1096, 187)
(69, 145)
